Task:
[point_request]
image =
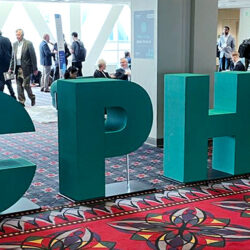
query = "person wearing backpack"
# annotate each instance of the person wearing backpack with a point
(78, 52)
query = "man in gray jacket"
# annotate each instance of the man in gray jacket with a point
(23, 63)
(226, 46)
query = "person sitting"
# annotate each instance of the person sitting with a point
(236, 64)
(71, 73)
(100, 73)
(123, 73)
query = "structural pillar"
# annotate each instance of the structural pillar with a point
(184, 40)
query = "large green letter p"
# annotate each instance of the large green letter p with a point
(86, 137)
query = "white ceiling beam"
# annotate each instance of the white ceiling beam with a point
(5, 11)
(37, 20)
(101, 39)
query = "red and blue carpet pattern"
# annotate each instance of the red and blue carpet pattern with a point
(208, 216)
(41, 148)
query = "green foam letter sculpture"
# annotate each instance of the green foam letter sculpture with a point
(189, 123)
(86, 138)
(15, 174)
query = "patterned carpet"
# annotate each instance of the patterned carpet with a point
(210, 216)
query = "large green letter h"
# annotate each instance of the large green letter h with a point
(189, 123)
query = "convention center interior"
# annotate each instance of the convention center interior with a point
(125, 124)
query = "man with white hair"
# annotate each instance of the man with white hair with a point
(23, 63)
(46, 62)
(124, 72)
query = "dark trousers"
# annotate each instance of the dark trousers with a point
(79, 66)
(224, 63)
(23, 83)
(9, 85)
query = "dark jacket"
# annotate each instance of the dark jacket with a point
(238, 67)
(120, 74)
(28, 59)
(45, 54)
(66, 51)
(76, 47)
(101, 74)
(5, 54)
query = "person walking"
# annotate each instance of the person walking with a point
(23, 63)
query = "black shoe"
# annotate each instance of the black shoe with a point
(42, 89)
(47, 90)
(33, 102)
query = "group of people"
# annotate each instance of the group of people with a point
(228, 56)
(122, 73)
(77, 51)
(20, 60)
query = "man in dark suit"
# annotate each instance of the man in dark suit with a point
(23, 63)
(236, 64)
(123, 73)
(46, 62)
(5, 57)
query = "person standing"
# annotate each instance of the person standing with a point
(56, 75)
(46, 62)
(226, 46)
(23, 63)
(78, 53)
(5, 57)
(128, 57)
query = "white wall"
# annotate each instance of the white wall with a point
(244, 30)
(144, 71)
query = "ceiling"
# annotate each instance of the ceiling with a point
(221, 3)
(234, 4)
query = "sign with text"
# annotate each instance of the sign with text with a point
(60, 45)
(144, 34)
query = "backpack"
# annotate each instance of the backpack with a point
(80, 53)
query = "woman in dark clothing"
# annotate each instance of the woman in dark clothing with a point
(100, 73)
(71, 73)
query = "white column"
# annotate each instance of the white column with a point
(75, 19)
(244, 30)
(203, 39)
(184, 41)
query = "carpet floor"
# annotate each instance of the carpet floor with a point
(210, 216)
